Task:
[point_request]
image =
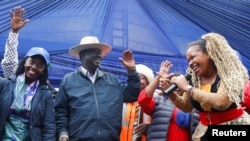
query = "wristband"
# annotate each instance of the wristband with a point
(132, 68)
(189, 90)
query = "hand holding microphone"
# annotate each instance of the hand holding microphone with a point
(180, 82)
(165, 82)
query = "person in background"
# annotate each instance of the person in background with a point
(26, 104)
(215, 90)
(89, 103)
(10, 61)
(168, 122)
(132, 115)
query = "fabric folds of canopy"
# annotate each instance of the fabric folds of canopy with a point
(154, 30)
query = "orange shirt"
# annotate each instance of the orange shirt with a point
(130, 119)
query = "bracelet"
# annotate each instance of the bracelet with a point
(190, 90)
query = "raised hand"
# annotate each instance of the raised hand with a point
(128, 60)
(164, 81)
(165, 67)
(17, 21)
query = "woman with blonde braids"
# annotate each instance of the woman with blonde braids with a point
(218, 79)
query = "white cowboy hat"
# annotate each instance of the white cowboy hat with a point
(89, 42)
(146, 71)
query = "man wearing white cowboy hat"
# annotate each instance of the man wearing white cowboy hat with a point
(89, 102)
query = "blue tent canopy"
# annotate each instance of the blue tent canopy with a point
(153, 30)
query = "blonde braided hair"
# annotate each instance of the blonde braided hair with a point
(229, 67)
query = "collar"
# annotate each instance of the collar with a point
(86, 72)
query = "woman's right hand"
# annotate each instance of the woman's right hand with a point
(181, 82)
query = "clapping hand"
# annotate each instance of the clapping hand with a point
(165, 67)
(164, 81)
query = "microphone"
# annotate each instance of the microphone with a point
(174, 86)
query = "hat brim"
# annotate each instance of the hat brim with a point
(74, 51)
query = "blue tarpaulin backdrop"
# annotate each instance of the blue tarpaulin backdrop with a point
(154, 30)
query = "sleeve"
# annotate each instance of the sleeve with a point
(147, 103)
(49, 127)
(182, 119)
(61, 111)
(132, 88)
(183, 102)
(10, 61)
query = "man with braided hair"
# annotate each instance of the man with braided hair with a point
(218, 79)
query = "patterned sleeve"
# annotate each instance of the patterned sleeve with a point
(10, 60)
(183, 102)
